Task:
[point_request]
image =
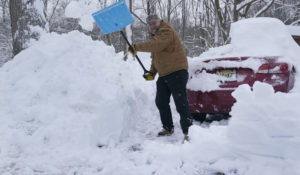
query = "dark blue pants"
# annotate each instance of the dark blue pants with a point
(175, 84)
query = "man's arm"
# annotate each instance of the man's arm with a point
(156, 43)
(152, 68)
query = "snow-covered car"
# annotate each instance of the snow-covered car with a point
(252, 56)
(276, 72)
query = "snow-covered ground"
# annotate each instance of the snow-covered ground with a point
(66, 94)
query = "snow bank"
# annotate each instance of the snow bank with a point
(67, 91)
(262, 136)
(266, 119)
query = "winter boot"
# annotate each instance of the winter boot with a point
(165, 132)
(186, 137)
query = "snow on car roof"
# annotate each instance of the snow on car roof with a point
(257, 37)
(294, 30)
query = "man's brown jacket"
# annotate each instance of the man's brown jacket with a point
(167, 52)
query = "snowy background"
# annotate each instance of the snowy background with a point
(66, 94)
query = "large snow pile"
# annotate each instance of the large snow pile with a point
(266, 124)
(66, 94)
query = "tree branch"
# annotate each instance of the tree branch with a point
(264, 9)
(245, 4)
(138, 18)
(53, 11)
(175, 7)
(295, 22)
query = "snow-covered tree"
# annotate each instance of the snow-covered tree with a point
(27, 22)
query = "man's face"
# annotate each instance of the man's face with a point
(153, 26)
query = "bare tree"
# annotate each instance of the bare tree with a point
(50, 17)
(184, 18)
(169, 10)
(124, 45)
(151, 7)
(201, 23)
(265, 8)
(3, 5)
(24, 17)
(240, 5)
(5, 35)
(221, 20)
(287, 11)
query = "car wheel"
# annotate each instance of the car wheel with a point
(217, 117)
(199, 116)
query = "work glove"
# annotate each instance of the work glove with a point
(149, 76)
(132, 50)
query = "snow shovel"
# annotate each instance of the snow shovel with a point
(114, 18)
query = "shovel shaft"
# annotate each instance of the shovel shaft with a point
(145, 71)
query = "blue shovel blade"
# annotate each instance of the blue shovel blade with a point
(113, 18)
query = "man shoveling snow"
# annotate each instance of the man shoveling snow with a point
(170, 62)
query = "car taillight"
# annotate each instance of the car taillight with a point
(274, 68)
(284, 68)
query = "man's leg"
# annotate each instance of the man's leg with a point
(162, 101)
(177, 84)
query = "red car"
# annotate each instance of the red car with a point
(272, 70)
